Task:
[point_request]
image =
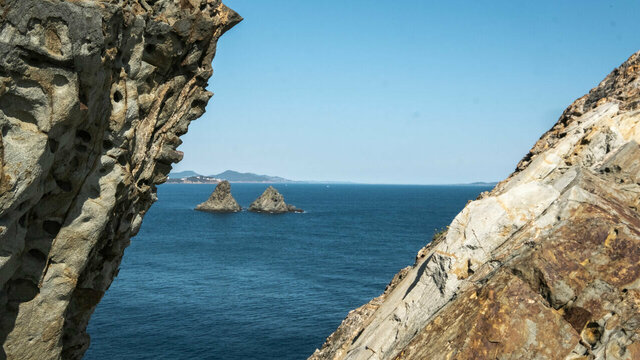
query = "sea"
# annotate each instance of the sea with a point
(196, 285)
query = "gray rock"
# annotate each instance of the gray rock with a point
(93, 98)
(220, 200)
(271, 201)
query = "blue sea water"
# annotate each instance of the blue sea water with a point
(197, 285)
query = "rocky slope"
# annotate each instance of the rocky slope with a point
(271, 201)
(220, 200)
(545, 266)
(94, 95)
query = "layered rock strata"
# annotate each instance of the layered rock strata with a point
(545, 266)
(220, 200)
(271, 201)
(94, 95)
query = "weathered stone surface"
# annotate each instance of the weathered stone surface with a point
(220, 200)
(545, 266)
(93, 98)
(271, 201)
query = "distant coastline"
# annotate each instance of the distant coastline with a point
(192, 177)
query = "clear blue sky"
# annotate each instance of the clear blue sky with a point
(407, 91)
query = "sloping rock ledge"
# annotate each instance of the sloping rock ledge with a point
(545, 266)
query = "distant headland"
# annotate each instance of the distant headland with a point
(192, 177)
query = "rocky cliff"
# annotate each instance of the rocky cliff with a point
(220, 200)
(545, 266)
(94, 95)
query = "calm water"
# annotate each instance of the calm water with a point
(196, 285)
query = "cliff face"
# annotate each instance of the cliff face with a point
(545, 266)
(93, 98)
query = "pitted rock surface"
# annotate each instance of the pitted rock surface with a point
(93, 98)
(545, 266)
(220, 200)
(271, 201)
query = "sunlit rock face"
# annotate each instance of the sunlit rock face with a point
(93, 98)
(272, 202)
(221, 200)
(545, 266)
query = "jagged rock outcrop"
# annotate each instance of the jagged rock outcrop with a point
(271, 201)
(94, 95)
(545, 266)
(220, 200)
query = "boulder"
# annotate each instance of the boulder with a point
(271, 201)
(220, 200)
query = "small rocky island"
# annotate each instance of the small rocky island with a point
(221, 200)
(271, 201)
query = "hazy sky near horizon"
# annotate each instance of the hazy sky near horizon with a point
(407, 91)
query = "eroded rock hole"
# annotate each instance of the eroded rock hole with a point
(198, 104)
(83, 135)
(106, 144)
(81, 148)
(22, 290)
(143, 182)
(51, 227)
(64, 185)
(117, 96)
(168, 96)
(53, 145)
(38, 255)
(33, 23)
(60, 80)
(94, 192)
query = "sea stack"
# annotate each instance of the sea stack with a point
(271, 201)
(221, 200)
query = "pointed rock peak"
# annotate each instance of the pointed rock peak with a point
(222, 188)
(220, 200)
(271, 201)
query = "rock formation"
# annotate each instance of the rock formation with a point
(271, 201)
(94, 95)
(545, 266)
(220, 200)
